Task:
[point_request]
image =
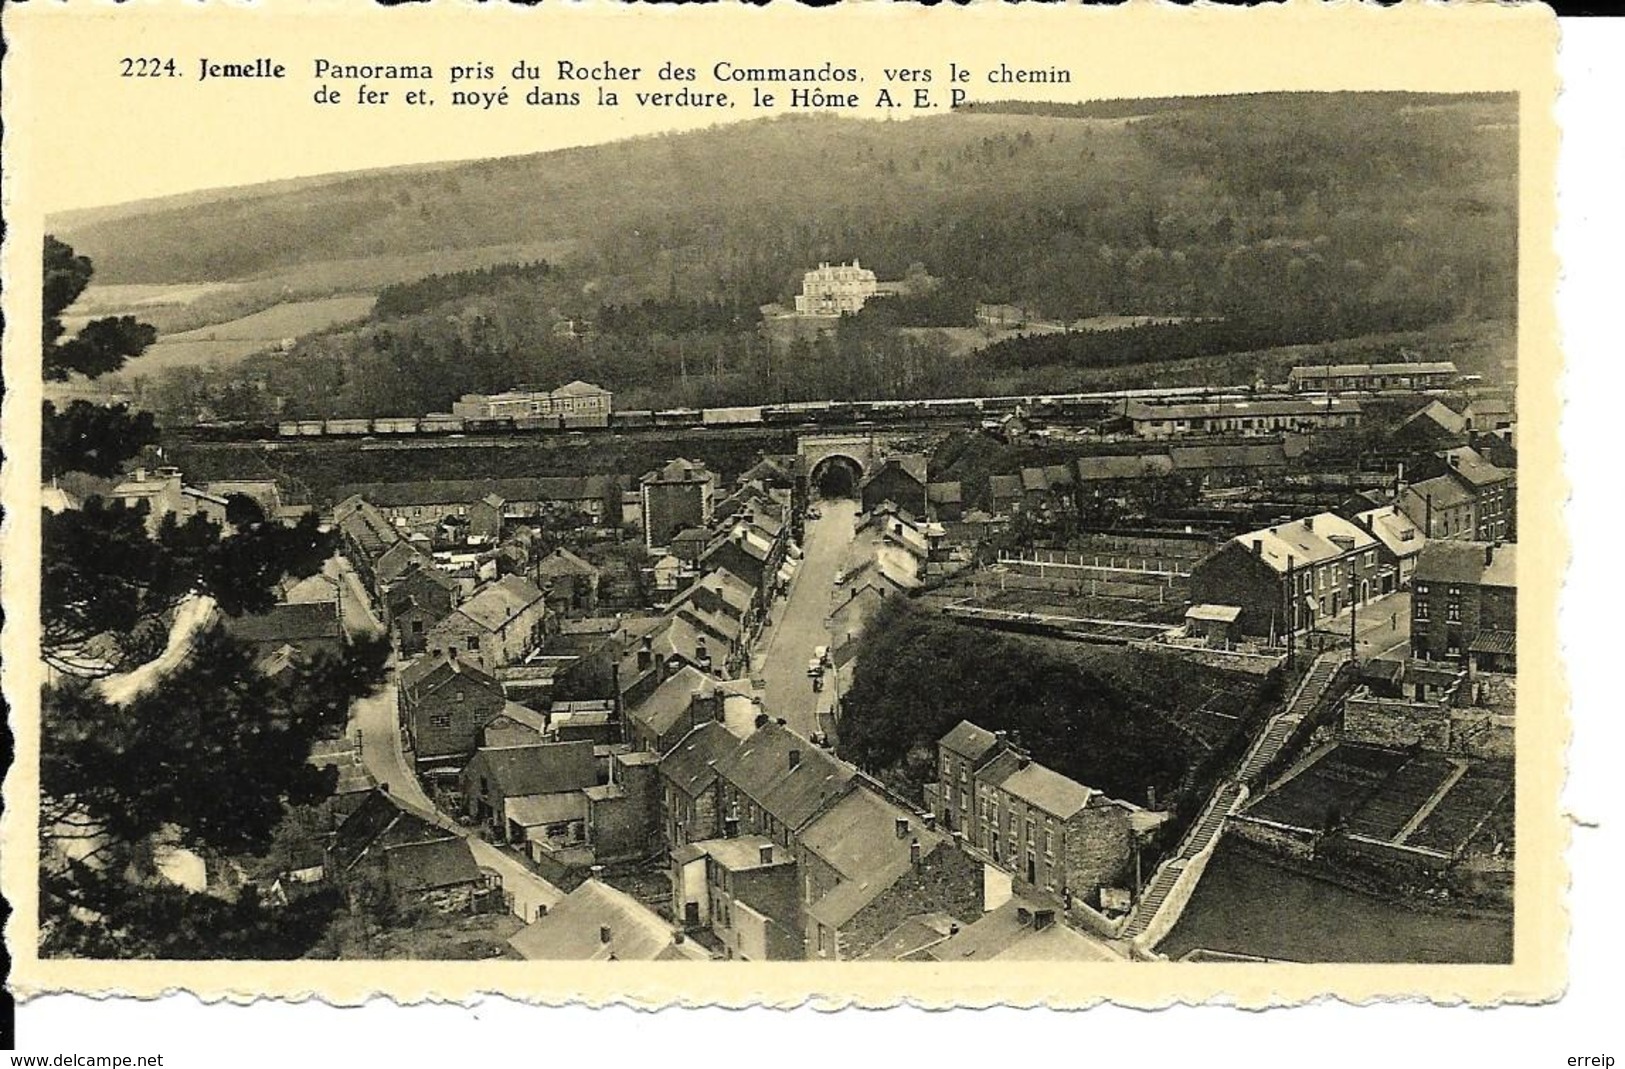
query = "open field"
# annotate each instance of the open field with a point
(177, 307)
(230, 341)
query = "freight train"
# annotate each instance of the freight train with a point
(814, 414)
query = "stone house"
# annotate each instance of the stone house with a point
(497, 626)
(1464, 604)
(417, 601)
(445, 702)
(510, 790)
(1292, 575)
(689, 809)
(570, 583)
(745, 892)
(419, 861)
(899, 479)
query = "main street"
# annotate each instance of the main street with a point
(799, 625)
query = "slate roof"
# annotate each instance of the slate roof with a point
(572, 930)
(379, 821)
(430, 866)
(1444, 491)
(577, 388)
(1439, 413)
(1209, 457)
(665, 709)
(912, 936)
(1000, 935)
(1050, 791)
(1390, 525)
(530, 810)
(1309, 544)
(857, 836)
(944, 493)
(1468, 563)
(496, 604)
(544, 768)
(1141, 410)
(691, 764)
(969, 741)
(1470, 465)
(760, 768)
(999, 769)
(361, 521)
(1134, 466)
(563, 562)
(1321, 371)
(1004, 486)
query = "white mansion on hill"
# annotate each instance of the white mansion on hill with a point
(835, 290)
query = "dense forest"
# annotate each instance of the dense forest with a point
(1281, 219)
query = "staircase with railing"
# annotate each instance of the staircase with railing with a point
(1227, 798)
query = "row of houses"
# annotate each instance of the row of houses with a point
(1059, 841)
(1172, 419)
(781, 851)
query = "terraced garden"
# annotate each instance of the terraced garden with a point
(1342, 780)
(1471, 802)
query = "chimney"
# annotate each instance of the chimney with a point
(1024, 916)
(677, 938)
(767, 854)
(1023, 761)
(1043, 919)
(1258, 547)
(141, 475)
(603, 933)
(1151, 797)
(1455, 460)
(929, 820)
(1489, 554)
(953, 930)
(902, 827)
(1308, 523)
(795, 760)
(782, 722)
(762, 720)
(702, 656)
(597, 872)
(916, 853)
(646, 654)
(730, 827)
(1000, 738)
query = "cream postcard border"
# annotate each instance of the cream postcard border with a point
(69, 121)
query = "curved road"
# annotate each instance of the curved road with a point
(375, 719)
(800, 624)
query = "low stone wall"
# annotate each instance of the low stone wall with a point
(1277, 838)
(1258, 664)
(1179, 896)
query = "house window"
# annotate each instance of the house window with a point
(1453, 605)
(1419, 607)
(440, 720)
(473, 644)
(459, 696)
(417, 627)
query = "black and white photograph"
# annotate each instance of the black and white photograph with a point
(964, 519)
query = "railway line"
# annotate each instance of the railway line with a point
(790, 416)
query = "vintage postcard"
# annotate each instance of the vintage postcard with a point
(724, 505)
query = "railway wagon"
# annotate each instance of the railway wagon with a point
(487, 424)
(713, 417)
(441, 423)
(632, 418)
(395, 425)
(288, 428)
(536, 423)
(678, 417)
(586, 421)
(347, 427)
(309, 428)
